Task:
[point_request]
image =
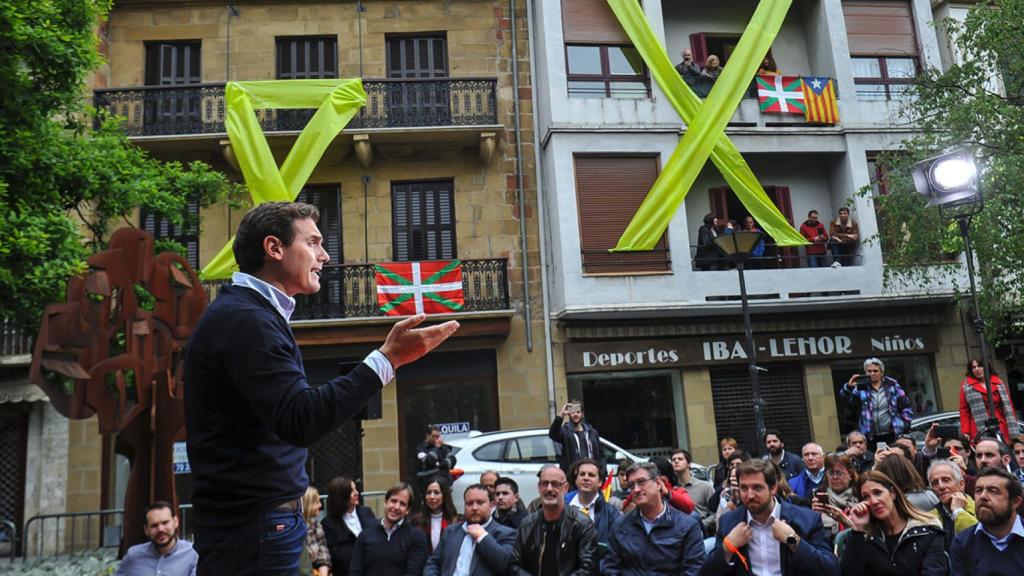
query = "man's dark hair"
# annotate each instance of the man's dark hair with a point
(740, 455)
(401, 486)
(758, 466)
(511, 483)
(267, 219)
(684, 452)
(339, 491)
(664, 466)
(157, 505)
(811, 212)
(575, 468)
(774, 432)
(477, 486)
(1013, 486)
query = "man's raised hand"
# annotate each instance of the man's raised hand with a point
(406, 343)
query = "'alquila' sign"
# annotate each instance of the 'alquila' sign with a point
(647, 354)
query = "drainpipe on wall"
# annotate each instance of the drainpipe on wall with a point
(519, 180)
(541, 215)
(232, 12)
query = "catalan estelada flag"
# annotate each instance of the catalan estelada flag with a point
(781, 94)
(820, 100)
(432, 287)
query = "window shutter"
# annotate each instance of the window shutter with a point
(719, 203)
(591, 22)
(608, 191)
(423, 221)
(699, 47)
(880, 28)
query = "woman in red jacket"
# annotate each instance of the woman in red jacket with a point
(974, 405)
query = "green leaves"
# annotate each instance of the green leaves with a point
(64, 186)
(978, 103)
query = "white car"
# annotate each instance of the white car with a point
(517, 454)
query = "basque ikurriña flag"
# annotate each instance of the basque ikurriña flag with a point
(820, 100)
(783, 94)
(432, 287)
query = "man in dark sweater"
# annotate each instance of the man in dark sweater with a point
(996, 545)
(578, 439)
(250, 413)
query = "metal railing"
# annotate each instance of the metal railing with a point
(71, 532)
(774, 258)
(350, 290)
(701, 86)
(390, 103)
(13, 341)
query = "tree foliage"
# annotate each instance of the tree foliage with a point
(67, 175)
(978, 104)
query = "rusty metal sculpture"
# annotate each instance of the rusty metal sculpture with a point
(115, 349)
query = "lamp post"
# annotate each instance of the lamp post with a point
(950, 181)
(737, 247)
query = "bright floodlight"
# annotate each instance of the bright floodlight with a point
(950, 179)
(952, 173)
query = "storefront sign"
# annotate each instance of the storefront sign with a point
(454, 430)
(679, 352)
(181, 465)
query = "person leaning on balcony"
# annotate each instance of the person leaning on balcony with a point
(707, 254)
(844, 235)
(688, 68)
(250, 413)
(814, 231)
(712, 67)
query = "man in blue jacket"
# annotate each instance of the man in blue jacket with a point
(588, 476)
(250, 414)
(768, 536)
(479, 546)
(996, 544)
(654, 538)
(790, 463)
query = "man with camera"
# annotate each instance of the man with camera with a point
(885, 410)
(579, 440)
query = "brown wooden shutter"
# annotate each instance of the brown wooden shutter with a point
(719, 198)
(699, 47)
(591, 22)
(781, 197)
(609, 189)
(880, 27)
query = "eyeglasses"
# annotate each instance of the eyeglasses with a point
(836, 472)
(550, 484)
(640, 483)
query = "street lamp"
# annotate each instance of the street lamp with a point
(950, 181)
(737, 247)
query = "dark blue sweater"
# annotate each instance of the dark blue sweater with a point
(404, 553)
(973, 554)
(249, 412)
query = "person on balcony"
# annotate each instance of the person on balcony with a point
(843, 235)
(768, 67)
(756, 259)
(712, 67)
(707, 254)
(688, 69)
(815, 233)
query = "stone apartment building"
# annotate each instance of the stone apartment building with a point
(428, 170)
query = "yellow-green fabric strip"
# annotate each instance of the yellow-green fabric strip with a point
(337, 102)
(706, 128)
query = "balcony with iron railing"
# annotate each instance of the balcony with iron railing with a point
(194, 109)
(350, 291)
(15, 344)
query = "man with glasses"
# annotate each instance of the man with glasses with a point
(556, 539)
(654, 538)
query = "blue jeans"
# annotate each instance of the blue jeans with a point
(269, 544)
(816, 261)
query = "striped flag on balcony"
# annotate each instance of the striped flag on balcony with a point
(820, 100)
(432, 287)
(782, 94)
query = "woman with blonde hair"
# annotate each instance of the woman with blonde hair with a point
(890, 537)
(316, 559)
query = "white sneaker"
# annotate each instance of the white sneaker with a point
(836, 264)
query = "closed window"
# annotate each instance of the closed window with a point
(186, 234)
(175, 111)
(605, 72)
(301, 57)
(532, 450)
(169, 63)
(420, 56)
(609, 189)
(489, 452)
(883, 47)
(423, 220)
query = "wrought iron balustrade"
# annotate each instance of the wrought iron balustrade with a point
(13, 341)
(350, 290)
(405, 103)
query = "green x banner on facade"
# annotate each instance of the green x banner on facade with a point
(337, 101)
(705, 134)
